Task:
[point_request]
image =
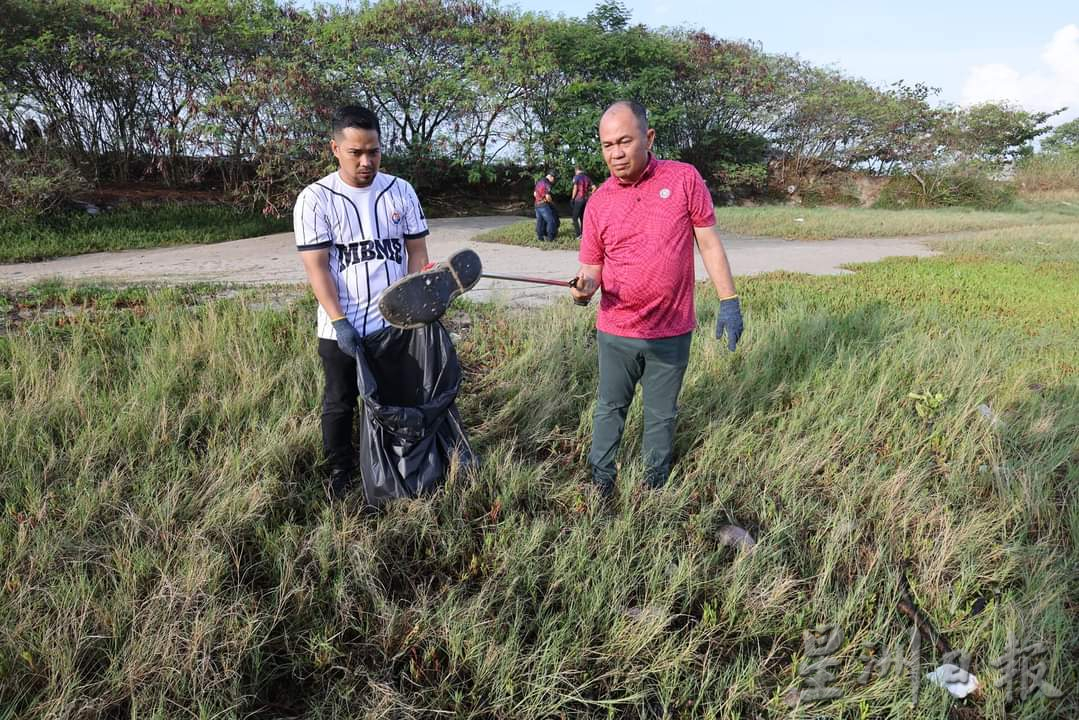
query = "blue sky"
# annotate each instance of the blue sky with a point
(1025, 52)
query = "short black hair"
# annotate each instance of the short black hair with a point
(354, 116)
(636, 108)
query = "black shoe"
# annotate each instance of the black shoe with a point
(339, 484)
(421, 298)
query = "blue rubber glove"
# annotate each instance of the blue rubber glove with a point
(347, 337)
(729, 318)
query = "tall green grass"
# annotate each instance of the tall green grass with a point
(165, 550)
(73, 233)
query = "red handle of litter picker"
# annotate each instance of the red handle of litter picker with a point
(540, 281)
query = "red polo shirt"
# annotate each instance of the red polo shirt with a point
(642, 235)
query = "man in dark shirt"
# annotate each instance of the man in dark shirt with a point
(546, 215)
(582, 188)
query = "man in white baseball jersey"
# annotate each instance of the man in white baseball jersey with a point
(358, 230)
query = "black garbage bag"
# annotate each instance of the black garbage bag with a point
(411, 430)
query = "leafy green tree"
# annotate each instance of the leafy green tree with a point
(1063, 139)
(994, 133)
(415, 62)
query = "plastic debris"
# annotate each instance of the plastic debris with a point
(987, 412)
(954, 679)
(736, 537)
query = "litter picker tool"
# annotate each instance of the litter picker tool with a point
(422, 298)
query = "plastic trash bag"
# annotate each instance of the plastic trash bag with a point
(410, 430)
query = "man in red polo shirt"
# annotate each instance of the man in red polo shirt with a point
(637, 247)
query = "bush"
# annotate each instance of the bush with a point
(32, 183)
(945, 188)
(833, 189)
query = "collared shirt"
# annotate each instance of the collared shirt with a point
(541, 191)
(365, 230)
(642, 235)
(582, 184)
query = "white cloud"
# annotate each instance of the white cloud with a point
(1053, 85)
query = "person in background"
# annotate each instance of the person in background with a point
(546, 216)
(582, 188)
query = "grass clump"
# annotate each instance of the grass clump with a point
(810, 223)
(798, 223)
(165, 549)
(524, 233)
(1045, 173)
(74, 233)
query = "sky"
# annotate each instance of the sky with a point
(1025, 52)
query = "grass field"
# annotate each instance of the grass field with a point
(138, 227)
(797, 223)
(524, 233)
(165, 550)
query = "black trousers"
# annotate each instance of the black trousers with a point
(338, 404)
(577, 213)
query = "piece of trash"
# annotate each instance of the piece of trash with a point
(648, 614)
(980, 604)
(736, 537)
(799, 219)
(987, 413)
(954, 679)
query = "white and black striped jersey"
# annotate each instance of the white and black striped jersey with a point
(365, 231)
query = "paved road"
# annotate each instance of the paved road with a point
(272, 259)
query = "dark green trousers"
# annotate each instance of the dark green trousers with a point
(659, 365)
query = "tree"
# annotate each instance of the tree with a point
(416, 62)
(994, 134)
(1064, 139)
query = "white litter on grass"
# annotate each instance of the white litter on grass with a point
(987, 413)
(736, 537)
(954, 679)
(799, 219)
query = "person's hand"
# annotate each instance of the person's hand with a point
(583, 288)
(347, 337)
(729, 319)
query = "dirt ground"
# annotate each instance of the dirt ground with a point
(272, 259)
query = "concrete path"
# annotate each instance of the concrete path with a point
(272, 259)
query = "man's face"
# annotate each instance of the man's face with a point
(358, 154)
(625, 145)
